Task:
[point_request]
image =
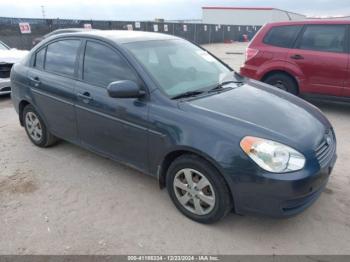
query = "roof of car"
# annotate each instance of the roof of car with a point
(312, 21)
(123, 36)
(67, 30)
(71, 29)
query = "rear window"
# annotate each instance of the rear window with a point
(61, 56)
(324, 38)
(282, 36)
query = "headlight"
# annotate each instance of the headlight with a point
(272, 156)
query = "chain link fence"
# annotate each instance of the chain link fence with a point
(10, 32)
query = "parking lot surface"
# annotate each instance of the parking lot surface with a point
(66, 200)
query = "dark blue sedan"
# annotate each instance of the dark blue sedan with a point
(217, 141)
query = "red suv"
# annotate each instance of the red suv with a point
(310, 58)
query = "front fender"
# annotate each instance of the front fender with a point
(188, 149)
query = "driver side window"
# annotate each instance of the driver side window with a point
(103, 65)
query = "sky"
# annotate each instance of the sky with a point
(150, 9)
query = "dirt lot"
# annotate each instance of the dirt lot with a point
(66, 200)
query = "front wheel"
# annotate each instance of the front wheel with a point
(198, 190)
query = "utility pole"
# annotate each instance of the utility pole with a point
(43, 11)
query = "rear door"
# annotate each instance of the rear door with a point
(346, 90)
(278, 41)
(322, 55)
(52, 79)
(116, 127)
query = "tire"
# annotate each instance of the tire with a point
(283, 82)
(216, 190)
(36, 129)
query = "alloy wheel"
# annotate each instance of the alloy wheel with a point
(33, 126)
(194, 191)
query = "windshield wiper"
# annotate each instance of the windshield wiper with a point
(187, 94)
(230, 78)
(223, 84)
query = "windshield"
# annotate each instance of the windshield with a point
(3, 46)
(178, 66)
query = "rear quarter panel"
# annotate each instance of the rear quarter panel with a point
(20, 87)
(19, 90)
(269, 58)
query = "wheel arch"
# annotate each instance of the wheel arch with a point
(21, 107)
(174, 154)
(171, 155)
(284, 72)
(27, 101)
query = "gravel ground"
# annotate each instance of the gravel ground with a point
(66, 200)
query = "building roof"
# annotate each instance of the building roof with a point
(237, 8)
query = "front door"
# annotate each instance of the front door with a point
(112, 126)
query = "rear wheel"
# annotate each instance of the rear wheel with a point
(198, 190)
(283, 82)
(36, 128)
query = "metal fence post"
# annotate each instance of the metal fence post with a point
(209, 34)
(223, 33)
(195, 33)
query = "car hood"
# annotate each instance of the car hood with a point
(12, 56)
(265, 111)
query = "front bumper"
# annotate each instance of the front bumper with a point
(256, 194)
(5, 86)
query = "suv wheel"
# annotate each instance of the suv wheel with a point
(283, 82)
(36, 128)
(198, 190)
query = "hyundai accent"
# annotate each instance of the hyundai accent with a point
(217, 141)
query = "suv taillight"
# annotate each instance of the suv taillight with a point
(250, 53)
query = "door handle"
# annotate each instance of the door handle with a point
(85, 97)
(35, 80)
(297, 57)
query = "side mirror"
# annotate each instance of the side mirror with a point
(125, 89)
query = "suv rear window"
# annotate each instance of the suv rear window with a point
(326, 38)
(282, 36)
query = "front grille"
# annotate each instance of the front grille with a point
(326, 149)
(5, 70)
